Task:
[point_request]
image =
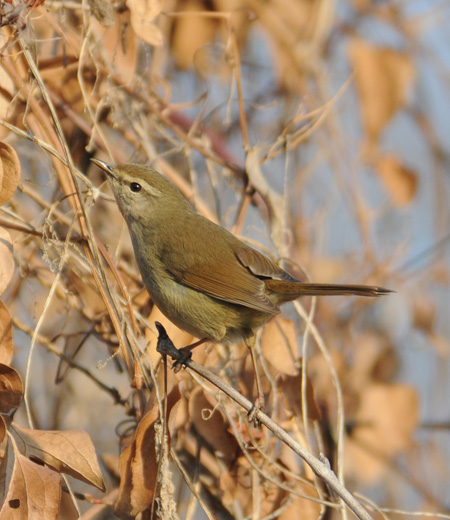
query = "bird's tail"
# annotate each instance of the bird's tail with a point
(294, 290)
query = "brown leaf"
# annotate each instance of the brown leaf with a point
(309, 510)
(70, 452)
(424, 313)
(393, 410)
(279, 345)
(11, 389)
(6, 335)
(33, 491)
(291, 387)
(9, 172)
(384, 77)
(373, 359)
(2, 433)
(385, 421)
(399, 181)
(6, 257)
(6, 94)
(139, 465)
(211, 424)
(143, 14)
(118, 45)
(191, 33)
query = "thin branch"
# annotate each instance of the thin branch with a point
(320, 467)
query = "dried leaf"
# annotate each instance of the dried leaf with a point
(33, 491)
(2, 435)
(236, 485)
(291, 386)
(424, 313)
(386, 419)
(399, 181)
(70, 452)
(139, 465)
(191, 33)
(6, 335)
(11, 389)
(211, 424)
(373, 359)
(393, 410)
(309, 510)
(289, 23)
(384, 77)
(6, 258)
(118, 45)
(9, 172)
(279, 345)
(6, 94)
(143, 14)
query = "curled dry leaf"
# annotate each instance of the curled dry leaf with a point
(138, 464)
(210, 423)
(6, 336)
(384, 78)
(279, 345)
(9, 172)
(11, 389)
(143, 14)
(70, 452)
(34, 491)
(399, 181)
(6, 259)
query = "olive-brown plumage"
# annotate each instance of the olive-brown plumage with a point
(203, 278)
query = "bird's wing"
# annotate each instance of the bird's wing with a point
(217, 271)
(261, 266)
(228, 281)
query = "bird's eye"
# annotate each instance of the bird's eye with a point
(135, 187)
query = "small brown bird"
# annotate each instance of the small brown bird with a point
(204, 279)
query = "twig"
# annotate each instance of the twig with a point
(321, 469)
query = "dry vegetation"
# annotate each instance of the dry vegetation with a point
(298, 124)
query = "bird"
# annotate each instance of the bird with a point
(203, 278)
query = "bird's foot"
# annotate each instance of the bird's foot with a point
(166, 347)
(184, 355)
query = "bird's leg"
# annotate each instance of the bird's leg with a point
(187, 353)
(259, 401)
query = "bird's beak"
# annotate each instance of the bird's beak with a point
(108, 168)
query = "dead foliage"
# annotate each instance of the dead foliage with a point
(239, 104)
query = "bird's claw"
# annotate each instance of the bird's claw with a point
(184, 355)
